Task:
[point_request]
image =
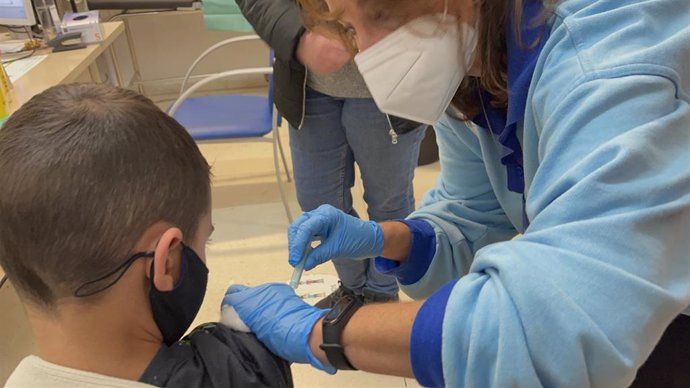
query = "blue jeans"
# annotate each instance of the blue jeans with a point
(336, 134)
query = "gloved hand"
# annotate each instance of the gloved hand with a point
(279, 318)
(342, 236)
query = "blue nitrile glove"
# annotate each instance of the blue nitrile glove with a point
(342, 236)
(279, 318)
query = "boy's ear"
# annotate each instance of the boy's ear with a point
(167, 260)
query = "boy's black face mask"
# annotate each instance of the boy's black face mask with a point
(174, 310)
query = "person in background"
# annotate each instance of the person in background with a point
(105, 211)
(570, 125)
(334, 123)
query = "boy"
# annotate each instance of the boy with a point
(104, 216)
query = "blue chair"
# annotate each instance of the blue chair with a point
(233, 118)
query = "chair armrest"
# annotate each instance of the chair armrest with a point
(210, 50)
(216, 77)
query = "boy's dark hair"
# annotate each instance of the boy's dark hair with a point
(85, 169)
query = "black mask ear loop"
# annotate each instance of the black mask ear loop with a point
(83, 290)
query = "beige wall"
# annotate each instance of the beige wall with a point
(165, 45)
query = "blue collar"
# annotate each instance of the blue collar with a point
(522, 60)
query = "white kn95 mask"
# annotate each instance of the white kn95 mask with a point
(414, 72)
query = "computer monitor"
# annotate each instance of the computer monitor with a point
(17, 13)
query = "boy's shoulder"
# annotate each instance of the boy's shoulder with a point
(33, 371)
(213, 355)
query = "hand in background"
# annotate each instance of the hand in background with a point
(320, 54)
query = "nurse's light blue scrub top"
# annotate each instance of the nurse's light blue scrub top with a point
(603, 263)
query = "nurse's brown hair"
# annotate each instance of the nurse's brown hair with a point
(491, 47)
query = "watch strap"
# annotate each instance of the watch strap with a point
(332, 334)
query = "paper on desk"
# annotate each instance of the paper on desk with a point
(12, 46)
(20, 67)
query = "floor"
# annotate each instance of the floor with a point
(249, 247)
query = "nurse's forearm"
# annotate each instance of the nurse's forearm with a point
(377, 338)
(397, 240)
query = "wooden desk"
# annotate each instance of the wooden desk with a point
(67, 66)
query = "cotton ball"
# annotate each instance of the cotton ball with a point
(230, 318)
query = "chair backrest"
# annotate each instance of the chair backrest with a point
(185, 93)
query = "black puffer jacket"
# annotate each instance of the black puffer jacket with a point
(279, 23)
(213, 355)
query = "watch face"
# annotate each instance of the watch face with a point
(340, 309)
(335, 312)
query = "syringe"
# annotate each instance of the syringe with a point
(299, 268)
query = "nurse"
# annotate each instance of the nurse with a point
(568, 123)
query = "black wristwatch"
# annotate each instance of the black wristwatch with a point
(333, 325)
